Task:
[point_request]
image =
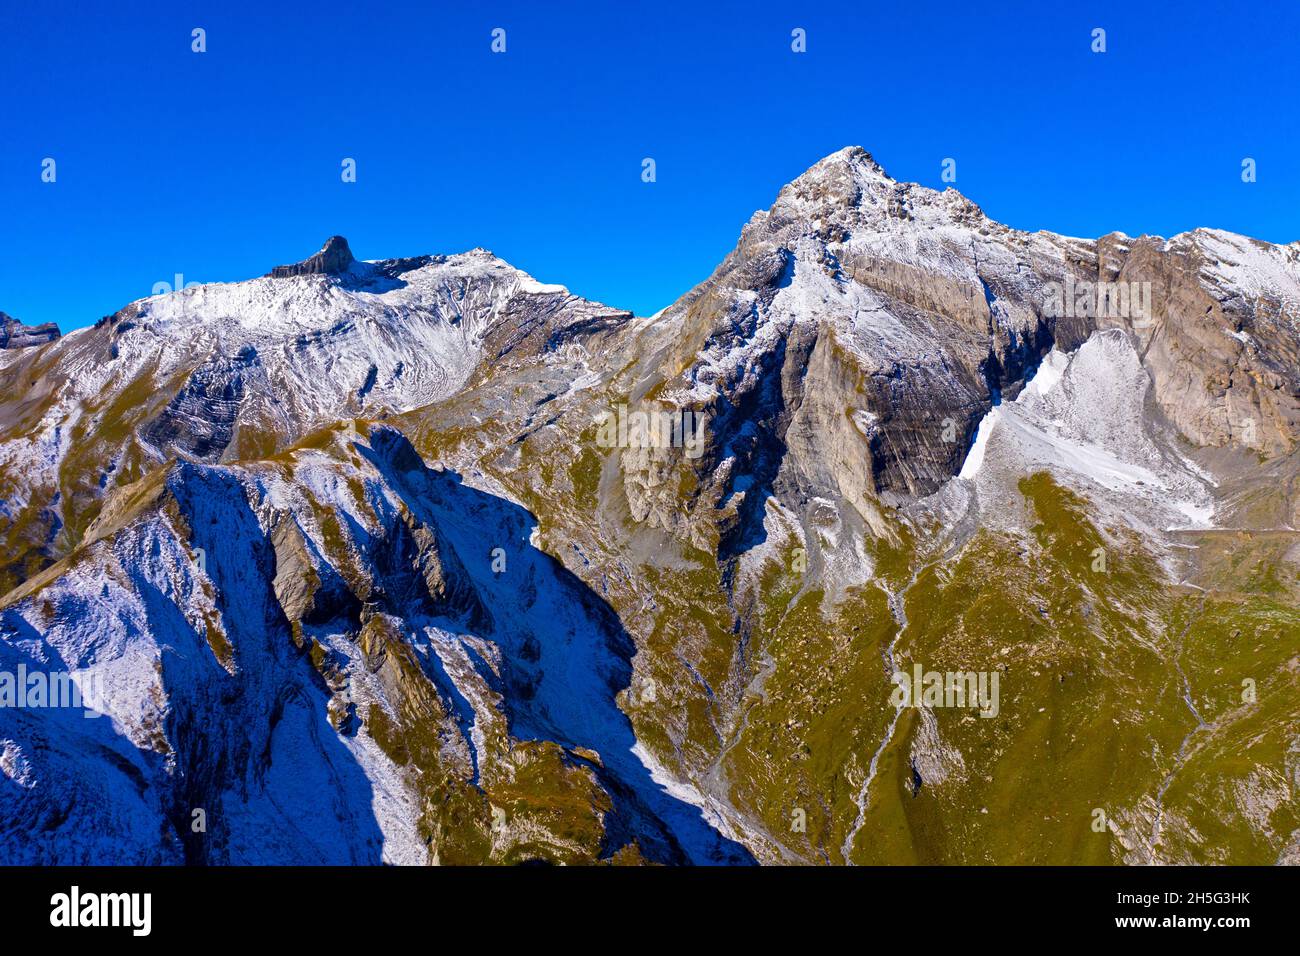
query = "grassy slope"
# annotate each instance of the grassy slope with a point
(1092, 716)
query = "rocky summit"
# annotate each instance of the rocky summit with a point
(905, 537)
(15, 335)
(334, 257)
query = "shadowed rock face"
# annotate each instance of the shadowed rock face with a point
(325, 633)
(334, 258)
(15, 335)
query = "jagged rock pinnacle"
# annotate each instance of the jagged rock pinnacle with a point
(333, 258)
(15, 335)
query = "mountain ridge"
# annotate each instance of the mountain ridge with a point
(353, 529)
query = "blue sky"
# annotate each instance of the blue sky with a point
(223, 164)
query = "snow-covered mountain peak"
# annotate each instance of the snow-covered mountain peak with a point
(344, 536)
(849, 193)
(843, 180)
(851, 160)
(233, 369)
(864, 320)
(319, 294)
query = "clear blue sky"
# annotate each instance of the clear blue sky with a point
(223, 164)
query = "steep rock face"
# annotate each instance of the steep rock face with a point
(906, 312)
(334, 258)
(15, 335)
(1223, 341)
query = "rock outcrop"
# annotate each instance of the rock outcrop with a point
(15, 335)
(334, 257)
(1223, 341)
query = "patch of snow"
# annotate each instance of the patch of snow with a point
(975, 457)
(1083, 418)
(1047, 376)
(529, 284)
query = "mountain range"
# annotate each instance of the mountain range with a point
(424, 561)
